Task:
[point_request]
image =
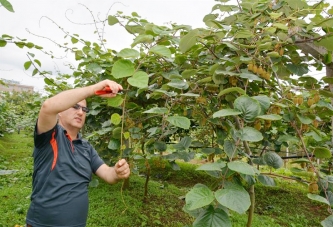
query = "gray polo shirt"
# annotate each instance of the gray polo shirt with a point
(62, 172)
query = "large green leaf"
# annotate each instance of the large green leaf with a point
(230, 148)
(157, 110)
(161, 51)
(142, 39)
(249, 134)
(318, 198)
(212, 217)
(232, 89)
(270, 117)
(242, 167)
(243, 34)
(178, 83)
(272, 159)
(183, 144)
(128, 53)
(328, 222)
(326, 42)
(249, 107)
(114, 144)
(115, 101)
(322, 152)
(179, 121)
(139, 79)
(226, 112)
(94, 68)
(160, 146)
(188, 40)
(266, 180)
(216, 166)
(115, 119)
(264, 102)
(199, 196)
(234, 197)
(122, 68)
(304, 120)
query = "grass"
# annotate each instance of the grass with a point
(284, 205)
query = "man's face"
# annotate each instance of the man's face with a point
(72, 117)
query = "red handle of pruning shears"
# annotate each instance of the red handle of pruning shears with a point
(107, 90)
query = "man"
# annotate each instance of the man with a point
(64, 162)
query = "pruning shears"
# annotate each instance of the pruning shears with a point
(107, 90)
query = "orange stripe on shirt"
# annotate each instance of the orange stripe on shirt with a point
(55, 150)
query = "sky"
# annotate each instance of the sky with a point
(32, 19)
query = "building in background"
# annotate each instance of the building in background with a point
(12, 85)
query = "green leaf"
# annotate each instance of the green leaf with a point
(34, 72)
(266, 180)
(274, 15)
(322, 152)
(179, 121)
(271, 117)
(299, 69)
(161, 51)
(112, 20)
(188, 40)
(304, 120)
(38, 62)
(27, 65)
(249, 134)
(122, 68)
(183, 144)
(326, 42)
(142, 39)
(3, 43)
(280, 26)
(199, 196)
(232, 89)
(243, 34)
(234, 197)
(115, 119)
(212, 217)
(250, 76)
(160, 146)
(157, 110)
(128, 53)
(114, 144)
(226, 112)
(74, 40)
(249, 107)
(288, 138)
(188, 94)
(115, 101)
(139, 79)
(318, 198)
(7, 5)
(178, 83)
(301, 160)
(230, 148)
(264, 102)
(216, 166)
(328, 222)
(272, 159)
(242, 167)
(94, 68)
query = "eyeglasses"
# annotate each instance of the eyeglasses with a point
(84, 109)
